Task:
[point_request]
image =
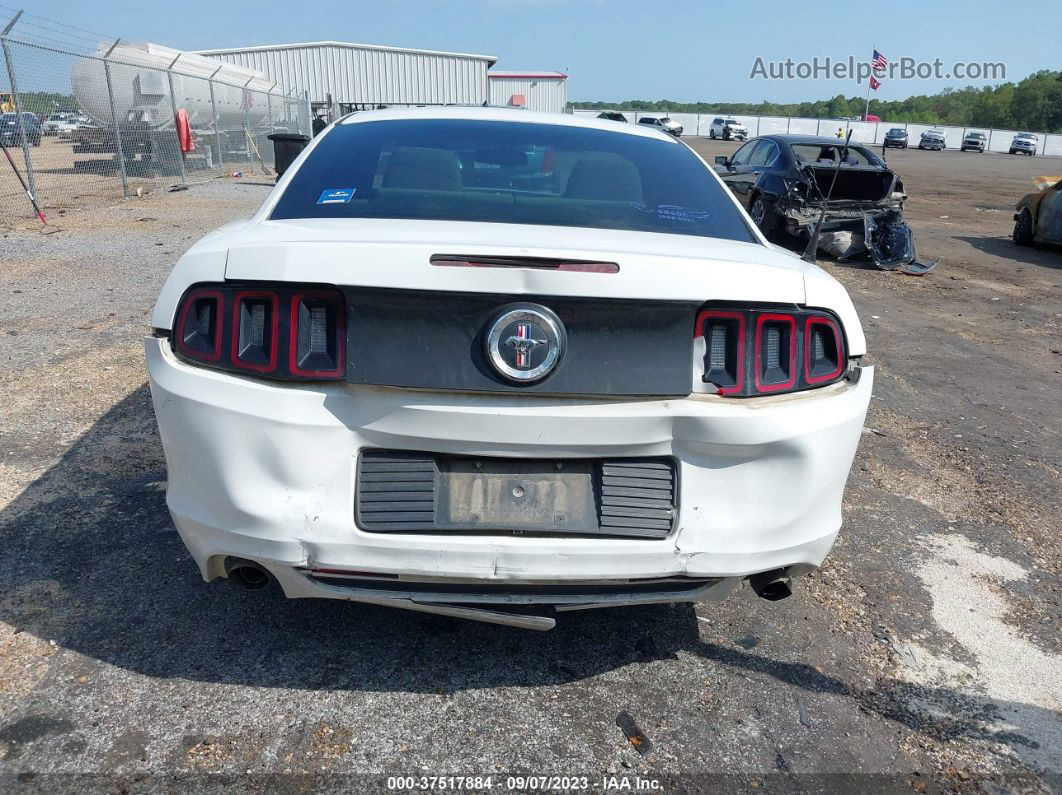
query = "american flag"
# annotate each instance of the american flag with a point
(879, 62)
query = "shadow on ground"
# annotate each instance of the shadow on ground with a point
(90, 559)
(1044, 256)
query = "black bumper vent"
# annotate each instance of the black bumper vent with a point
(637, 498)
(396, 491)
(411, 492)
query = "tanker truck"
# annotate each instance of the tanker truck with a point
(244, 101)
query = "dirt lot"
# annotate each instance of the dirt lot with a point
(926, 654)
(65, 179)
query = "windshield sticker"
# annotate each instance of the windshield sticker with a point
(671, 212)
(336, 196)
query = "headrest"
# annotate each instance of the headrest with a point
(422, 168)
(604, 178)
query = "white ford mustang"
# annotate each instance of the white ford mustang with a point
(463, 360)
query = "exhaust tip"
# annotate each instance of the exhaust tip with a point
(774, 586)
(246, 574)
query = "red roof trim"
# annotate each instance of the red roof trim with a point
(525, 75)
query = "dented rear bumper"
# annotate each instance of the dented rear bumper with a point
(267, 472)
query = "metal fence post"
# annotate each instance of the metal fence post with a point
(247, 100)
(114, 120)
(18, 104)
(269, 106)
(173, 105)
(214, 113)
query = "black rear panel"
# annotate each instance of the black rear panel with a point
(413, 492)
(436, 340)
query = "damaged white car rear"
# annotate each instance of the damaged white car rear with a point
(498, 365)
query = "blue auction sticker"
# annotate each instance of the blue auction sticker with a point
(336, 196)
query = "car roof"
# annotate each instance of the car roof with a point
(480, 113)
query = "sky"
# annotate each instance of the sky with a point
(618, 49)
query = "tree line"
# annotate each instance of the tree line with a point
(1035, 104)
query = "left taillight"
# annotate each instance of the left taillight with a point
(288, 333)
(751, 351)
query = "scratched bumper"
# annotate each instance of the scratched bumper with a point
(266, 471)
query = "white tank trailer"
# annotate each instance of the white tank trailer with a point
(144, 110)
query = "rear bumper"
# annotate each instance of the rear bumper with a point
(266, 471)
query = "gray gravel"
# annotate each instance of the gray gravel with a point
(117, 662)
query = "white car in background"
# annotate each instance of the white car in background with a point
(66, 129)
(933, 139)
(662, 123)
(50, 126)
(466, 359)
(1024, 144)
(727, 129)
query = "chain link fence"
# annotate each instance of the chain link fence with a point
(84, 118)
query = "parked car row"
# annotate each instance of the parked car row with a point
(659, 122)
(63, 124)
(972, 141)
(896, 138)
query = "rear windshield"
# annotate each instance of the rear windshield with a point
(510, 172)
(829, 154)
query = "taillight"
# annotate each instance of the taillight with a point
(724, 337)
(278, 332)
(776, 343)
(823, 350)
(255, 321)
(751, 352)
(199, 322)
(317, 339)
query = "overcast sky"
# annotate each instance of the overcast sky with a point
(617, 49)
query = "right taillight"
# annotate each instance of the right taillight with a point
(754, 351)
(274, 331)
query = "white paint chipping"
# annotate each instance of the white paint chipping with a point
(1022, 682)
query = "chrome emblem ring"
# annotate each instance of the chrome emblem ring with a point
(525, 343)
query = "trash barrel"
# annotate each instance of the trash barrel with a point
(286, 147)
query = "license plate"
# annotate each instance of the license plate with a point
(516, 495)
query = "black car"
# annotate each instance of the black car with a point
(612, 115)
(787, 181)
(896, 137)
(11, 130)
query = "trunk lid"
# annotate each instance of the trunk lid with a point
(397, 254)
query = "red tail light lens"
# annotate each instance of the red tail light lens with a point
(749, 351)
(277, 332)
(823, 350)
(199, 324)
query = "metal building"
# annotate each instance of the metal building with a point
(341, 77)
(545, 91)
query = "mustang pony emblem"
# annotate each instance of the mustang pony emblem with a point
(524, 344)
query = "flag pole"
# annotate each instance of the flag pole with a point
(866, 112)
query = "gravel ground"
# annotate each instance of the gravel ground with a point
(925, 654)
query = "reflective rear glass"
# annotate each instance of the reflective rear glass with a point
(510, 172)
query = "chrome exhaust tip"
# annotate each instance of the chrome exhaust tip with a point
(246, 574)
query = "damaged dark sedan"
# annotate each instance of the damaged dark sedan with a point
(797, 183)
